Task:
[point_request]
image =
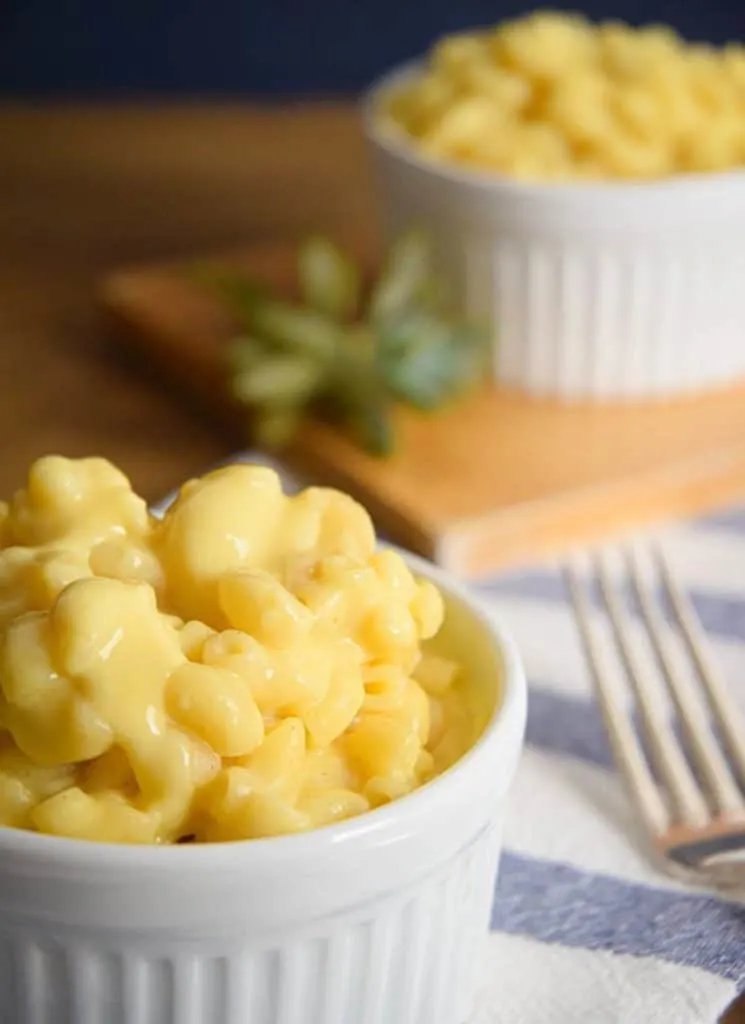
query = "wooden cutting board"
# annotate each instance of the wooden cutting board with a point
(496, 480)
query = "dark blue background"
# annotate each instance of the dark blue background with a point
(200, 47)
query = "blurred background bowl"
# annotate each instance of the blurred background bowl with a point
(591, 291)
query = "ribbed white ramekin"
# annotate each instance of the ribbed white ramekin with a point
(592, 291)
(377, 920)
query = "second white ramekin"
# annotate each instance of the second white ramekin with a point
(607, 291)
(378, 920)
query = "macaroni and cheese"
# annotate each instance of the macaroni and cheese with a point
(248, 665)
(552, 97)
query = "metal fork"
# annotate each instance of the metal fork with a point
(691, 794)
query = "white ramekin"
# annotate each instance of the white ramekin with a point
(374, 921)
(592, 291)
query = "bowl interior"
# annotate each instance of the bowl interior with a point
(466, 640)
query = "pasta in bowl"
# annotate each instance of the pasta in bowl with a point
(584, 188)
(336, 725)
(552, 97)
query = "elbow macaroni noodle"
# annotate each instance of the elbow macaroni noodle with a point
(247, 666)
(553, 97)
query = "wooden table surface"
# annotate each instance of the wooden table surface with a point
(83, 190)
(86, 190)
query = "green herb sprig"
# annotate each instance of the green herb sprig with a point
(345, 351)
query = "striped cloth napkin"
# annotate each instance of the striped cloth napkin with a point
(584, 929)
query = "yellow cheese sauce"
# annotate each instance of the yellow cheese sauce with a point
(247, 665)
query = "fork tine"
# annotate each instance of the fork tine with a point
(626, 748)
(669, 759)
(729, 718)
(704, 750)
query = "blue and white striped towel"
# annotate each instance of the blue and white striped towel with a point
(585, 929)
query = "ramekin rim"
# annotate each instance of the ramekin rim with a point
(490, 181)
(388, 821)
